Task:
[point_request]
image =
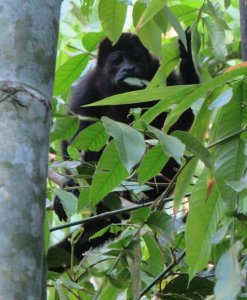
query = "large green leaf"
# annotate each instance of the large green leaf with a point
(69, 72)
(150, 11)
(201, 225)
(92, 138)
(230, 161)
(68, 200)
(173, 20)
(155, 261)
(150, 33)
(161, 21)
(152, 163)
(199, 128)
(64, 128)
(162, 223)
(201, 92)
(108, 174)
(194, 146)
(167, 101)
(171, 145)
(183, 181)
(130, 143)
(91, 40)
(228, 274)
(112, 15)
(217, 37)
(170, 58)
(146, 95)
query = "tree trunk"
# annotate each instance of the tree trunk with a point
(27, 58)
(243, 26)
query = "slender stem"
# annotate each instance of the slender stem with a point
(110, 213)
(164, 273)
(224, 139)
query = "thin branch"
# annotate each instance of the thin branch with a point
(110, 213)
(164, 273)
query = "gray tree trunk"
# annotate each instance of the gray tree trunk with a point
(243, 26)
(27, 58)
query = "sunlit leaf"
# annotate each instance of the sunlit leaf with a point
(68, 200)
(228, 274)
(201, 225)
(230, 160)
(152, 163)
(92, 138)
(194, 146)
(108, 174)
(69, 72)
(150, 33)
(112, 15)
(130, 143)
(155, 261)
(170, 145)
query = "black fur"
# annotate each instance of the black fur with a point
(127, 58)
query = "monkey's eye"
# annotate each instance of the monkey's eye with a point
(116, 58)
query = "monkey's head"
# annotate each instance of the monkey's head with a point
(126, 62)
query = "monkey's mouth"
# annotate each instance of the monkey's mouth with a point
(134, 81)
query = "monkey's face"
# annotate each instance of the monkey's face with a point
(121, 66)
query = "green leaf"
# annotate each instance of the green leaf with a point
(108, 174)
(217, 36)
(230, 160)
(68, 200)
(164, 105)
(140, 215)
(170, 58)
(70, 284)
(199, 128)
(228, 274)
(112, 14)
(194, 146)
(121, 281)
(86, 7)
(201, 91)
(173, 20)
(162, 223)
(64, 128)
(150, 33)
(69, 72)
(91, 40)
(152, 163)
(170, 145)
(150, 11)
(161, 20)
(155, 261)
(100, 232)
(146, 95)
(183, 181)
(222, 100)
(92, 138)
(60, 290)
(179, 286)
(73, 153)
(201, 225)
(129, 142)
(238, 186)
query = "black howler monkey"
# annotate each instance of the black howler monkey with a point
(128, 58)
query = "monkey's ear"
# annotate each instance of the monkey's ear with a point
(104, 49)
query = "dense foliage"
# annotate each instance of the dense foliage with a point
(205, 257)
